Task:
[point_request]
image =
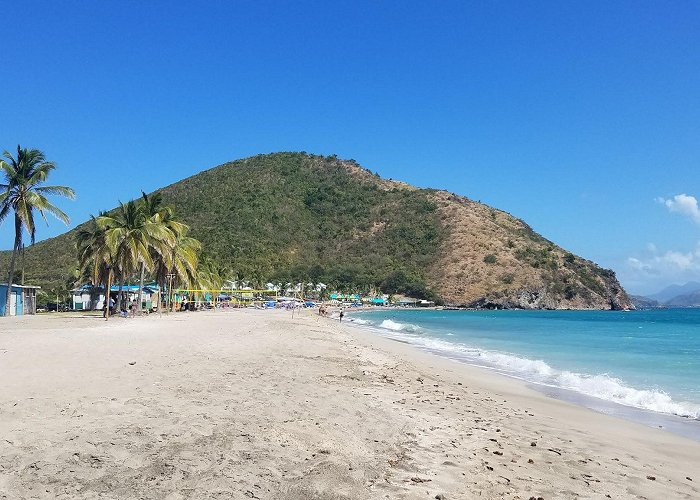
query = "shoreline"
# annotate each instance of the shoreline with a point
(247, 402)
(686, 426)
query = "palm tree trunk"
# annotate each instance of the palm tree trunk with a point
(94, 295)
(143, 270)
(22, 282)
(108, 295)
(119, 295)
(10, 274)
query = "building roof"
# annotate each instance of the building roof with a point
(151, 287)
(345, 296)
(21, 286)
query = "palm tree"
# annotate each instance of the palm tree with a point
(184, 259)
(23, 193)
(152, 209)
(160, 214)
(182, 262)
(212, 276)
(131, 237)
(181, 259)
(94, 257)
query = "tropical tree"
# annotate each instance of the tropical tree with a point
(182, 261)
(182, 257)
(131, 238)
(94, 257)
(181, 264)
(138, 236)
(211, 276)
(24, 193)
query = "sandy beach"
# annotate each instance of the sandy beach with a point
(257, 404)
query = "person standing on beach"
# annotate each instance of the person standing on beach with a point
(342, 313)
(108, 303)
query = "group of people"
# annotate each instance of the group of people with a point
(322, 311)
(133, 309)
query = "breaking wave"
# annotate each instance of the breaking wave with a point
(602, 386)
(360, 321)
(399, 327)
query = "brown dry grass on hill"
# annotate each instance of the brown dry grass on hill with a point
(489, 256)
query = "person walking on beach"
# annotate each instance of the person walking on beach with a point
(132, 308)
(342, 313)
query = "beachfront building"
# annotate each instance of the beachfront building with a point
(341, 298)
(411, 302)
(376, 301)
(87, 297)
(22, 299)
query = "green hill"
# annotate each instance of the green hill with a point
(293, 216)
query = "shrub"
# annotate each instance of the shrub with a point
(490, 259)
(508, 278)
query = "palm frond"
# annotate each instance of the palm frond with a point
(59, 190)
(41, 203)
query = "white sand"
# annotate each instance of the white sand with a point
(254, 404)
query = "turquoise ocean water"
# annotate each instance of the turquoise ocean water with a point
(643, 360)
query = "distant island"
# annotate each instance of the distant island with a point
(687, 295)
(293, 217)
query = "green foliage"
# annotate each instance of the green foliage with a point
(291, 216)
(542, 258)
(406, 284)
(288, 216)
(507, 278)
(589, 280)
(23, 193)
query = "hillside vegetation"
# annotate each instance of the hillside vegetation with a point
(289, 217)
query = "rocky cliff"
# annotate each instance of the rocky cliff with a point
(491, 259)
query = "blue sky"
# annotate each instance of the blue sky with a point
(583, 118)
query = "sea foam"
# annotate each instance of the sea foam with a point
(399, 327)
(600, 386)
(360, 321)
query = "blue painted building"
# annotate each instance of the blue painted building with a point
(88, 297)
(22, 299)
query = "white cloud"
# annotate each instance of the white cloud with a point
(655, 270)
(682, 204)
(671, 260)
